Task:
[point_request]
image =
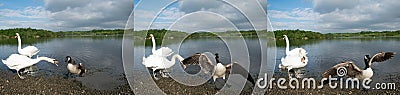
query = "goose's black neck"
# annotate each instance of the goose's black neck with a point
(217, 58)
(366, 61)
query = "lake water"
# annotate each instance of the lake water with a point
(103, 55)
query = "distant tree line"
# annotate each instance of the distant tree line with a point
(160, 33)
(26, 33)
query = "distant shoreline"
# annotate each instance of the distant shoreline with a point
(160, 33)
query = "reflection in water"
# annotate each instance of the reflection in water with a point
(297, 72)
(30, 71)
(103, 56)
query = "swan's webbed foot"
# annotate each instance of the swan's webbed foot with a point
(165, 74)
(154, 76)
(19, 75)
(289, 73)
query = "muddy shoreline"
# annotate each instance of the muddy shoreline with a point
(11, 84)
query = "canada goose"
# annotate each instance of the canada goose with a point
(220, 69)
(27, 51)
(74, 68)
(296, 58)
(18, 62)
(354, 71)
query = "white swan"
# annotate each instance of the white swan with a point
(155, 62)
(27, 51)
(18, 62)
(163, 51)
(296, 58)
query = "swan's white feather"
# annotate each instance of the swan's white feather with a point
(157, 62)
(163, 52)
(27, 51)
(17, 62)
(293, 58)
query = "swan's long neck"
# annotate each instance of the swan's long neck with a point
(287, 44)
(174, 58)
(45, 59)
(19, 43)
(154, 44)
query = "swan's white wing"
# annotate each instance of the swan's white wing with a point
(296, 52)
(29, 51)
(291, 60)
(16, 61)
(152, 61)
(163, 51)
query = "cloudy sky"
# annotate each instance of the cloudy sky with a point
(335, 15)
(65, 15)
(202, 15)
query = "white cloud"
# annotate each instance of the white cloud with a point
(1, 4)
(204, 21)
(171, 14)
(341, 16)
(144, 14)
(195, 22)
(90, 14)
(359, 15)
(326, 6)
(28, 12)
(63, 15)
(295, 14)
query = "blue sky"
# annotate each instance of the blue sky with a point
(316, 15)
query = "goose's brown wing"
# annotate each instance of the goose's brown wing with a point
(351, 68)
(382, 56)
(201, 59)
(238, 69)
(194, 59)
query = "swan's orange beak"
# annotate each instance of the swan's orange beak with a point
(56, 62)
(183, 66)
(303, 59)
